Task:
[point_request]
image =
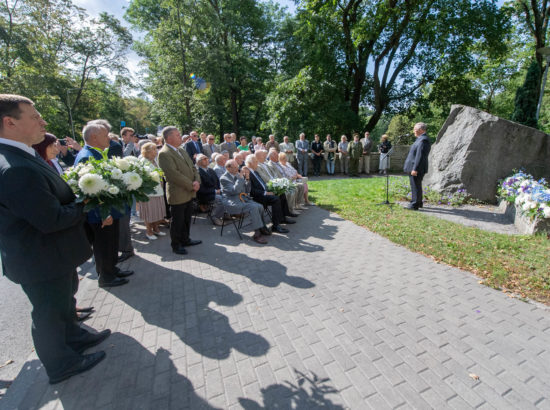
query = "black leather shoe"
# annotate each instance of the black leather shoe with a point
(85, 363)
(91, 340)
(180, 250)
(293, 215)
(113, 283)
(411, 207)
(288, 221)
(264, 230)
(85, 309)
(125, 256)
(82, 316)
(124, 273)
(192, 242)
(279, 229)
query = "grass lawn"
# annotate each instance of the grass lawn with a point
(519, 264)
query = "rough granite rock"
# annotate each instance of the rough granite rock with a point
(474, 150)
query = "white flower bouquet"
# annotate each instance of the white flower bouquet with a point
(531, 197)
(280, 186)
(113, 183)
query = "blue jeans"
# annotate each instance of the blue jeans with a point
(330, 166)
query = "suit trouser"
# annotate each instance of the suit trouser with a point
(317, 160)
(181, 223)
(105, 243)
(365, 159)
(278, 205)
(416, 189)
(353, 166)
(125, 238)
(302, 164)
(53, 322)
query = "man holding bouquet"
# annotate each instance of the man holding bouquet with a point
(42, 242)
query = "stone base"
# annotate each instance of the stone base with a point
(524, 224)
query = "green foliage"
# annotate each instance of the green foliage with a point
(400, 130)
(525, 110)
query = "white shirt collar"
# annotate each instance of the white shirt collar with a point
(171, 146)
(20, 145)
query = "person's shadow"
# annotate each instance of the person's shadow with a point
(130, 377)
(309, 392)
(180, 302)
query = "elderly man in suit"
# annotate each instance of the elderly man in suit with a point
(236, 198)
(209, 193)
(42, 242)
(302, 149)
(288, 148)
(210, 147)
(193, 146)
(228, 145)
(260, 193)
(182, 183)
(276, 171)
(416, 164)
(105, 239)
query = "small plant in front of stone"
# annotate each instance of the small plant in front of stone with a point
(401, 189)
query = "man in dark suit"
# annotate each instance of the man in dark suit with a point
(105, 239)
(42, 241)
(193, 146)
(416, 164)
(259, 192)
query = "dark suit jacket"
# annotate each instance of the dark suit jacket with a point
(209, 184)
(42, 233)
(417, 160)
(256, 189)
(115, 149)
(192, 149)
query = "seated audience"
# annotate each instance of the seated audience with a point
(290, 172)
(236, 188)
(219, 168)
(209, 191)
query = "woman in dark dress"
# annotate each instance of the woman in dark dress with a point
(383, 149)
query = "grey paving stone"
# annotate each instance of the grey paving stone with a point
(293, 325)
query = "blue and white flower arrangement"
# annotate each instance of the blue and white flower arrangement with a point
(531, 197)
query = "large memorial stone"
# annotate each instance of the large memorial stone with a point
(474, 150)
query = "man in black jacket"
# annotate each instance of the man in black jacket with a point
(416, 164)
(42, 241)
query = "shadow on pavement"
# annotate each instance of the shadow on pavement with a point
(179, 302)
(308, 393)
(130, 377)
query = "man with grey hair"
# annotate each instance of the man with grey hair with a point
(288, 148)
(235, 187)
(105, 239)
(115, 148)
(219, 168)
(228, 145)
(416, 164)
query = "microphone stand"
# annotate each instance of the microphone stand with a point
(387, 201)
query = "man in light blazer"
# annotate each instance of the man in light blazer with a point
(236, 198)
(416, 164)
(42, 242)
(302, 149)
(210, 147)
(182, 183)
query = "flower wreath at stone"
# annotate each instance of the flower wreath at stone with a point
(280, 186)
(113, 183)
(531, 197)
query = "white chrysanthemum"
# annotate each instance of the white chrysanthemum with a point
(84, 170)
(113, 190)
(116, 173)
(155, 176)
(546, 211)
(72, 182)
(131, 158)
(122, 163)
(132, 180)
(92, 184)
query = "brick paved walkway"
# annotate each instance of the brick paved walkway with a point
(329, 316)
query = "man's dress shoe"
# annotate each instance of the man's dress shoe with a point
(411, 207)
(288, 221)
(86, 362)
(125, 256)
(113, 283)
(265, 231)
(192, 242)
(85, 309)
(279, 229)
(180, 250)
(259, 239)
(292, 215)
(82, 316)
(91, 340)
(124, 273)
